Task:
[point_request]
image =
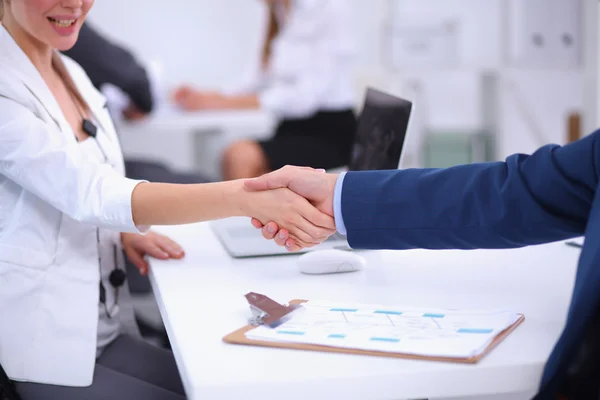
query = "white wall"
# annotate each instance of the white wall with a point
(533, 100)
(205, 42)
(212, 42)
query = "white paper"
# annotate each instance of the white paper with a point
(407, 330)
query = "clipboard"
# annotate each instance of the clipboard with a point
(239, 337)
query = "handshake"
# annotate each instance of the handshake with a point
(293, 206)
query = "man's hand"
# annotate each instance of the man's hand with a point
(132, 113)
(314, 185)
(152, 244)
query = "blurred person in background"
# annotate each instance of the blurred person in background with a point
(305, 79)
(108, 63)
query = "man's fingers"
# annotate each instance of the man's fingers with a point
(266, 182)
(274, 180)
(256, 223)
(304, 168)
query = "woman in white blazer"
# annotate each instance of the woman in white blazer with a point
(305, 80)
(64, 202)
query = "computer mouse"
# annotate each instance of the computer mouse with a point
(330, 261)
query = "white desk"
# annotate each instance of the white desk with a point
(190, 141)
(201, 300)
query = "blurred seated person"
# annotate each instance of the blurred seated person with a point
(305, 80)
(105, 62)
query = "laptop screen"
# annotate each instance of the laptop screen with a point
(381, 132)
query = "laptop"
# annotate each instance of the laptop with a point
(380, 139)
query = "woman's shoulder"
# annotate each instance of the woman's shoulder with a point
(12, 86)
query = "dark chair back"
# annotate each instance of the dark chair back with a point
(7, 388)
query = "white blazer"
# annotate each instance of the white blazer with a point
(312, 62)
(52, 199)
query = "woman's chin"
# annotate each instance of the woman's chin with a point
(64, 44)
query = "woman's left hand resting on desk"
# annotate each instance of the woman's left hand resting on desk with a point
(137, 246)
(191, 99)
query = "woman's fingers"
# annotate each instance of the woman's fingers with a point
(169, 246)
(154, 250)
(292, 246)
(269, 231)
(281, 237)
(137, 259)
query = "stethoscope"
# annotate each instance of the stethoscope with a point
(117, 276)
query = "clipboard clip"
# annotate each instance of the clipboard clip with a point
(266, 311)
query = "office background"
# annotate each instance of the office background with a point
(513, 68)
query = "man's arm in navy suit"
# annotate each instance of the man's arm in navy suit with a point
(525, 200)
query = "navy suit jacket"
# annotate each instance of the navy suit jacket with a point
(526, 200)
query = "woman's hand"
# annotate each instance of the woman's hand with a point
(137, 246)
(304, 225)
(132, 113)
(271, 231)
(193, 100)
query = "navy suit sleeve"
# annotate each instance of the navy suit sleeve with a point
(528, 199)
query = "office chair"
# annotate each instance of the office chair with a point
(7, 388)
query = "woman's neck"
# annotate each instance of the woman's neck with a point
(39, 53)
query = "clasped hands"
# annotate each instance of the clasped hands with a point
(304, 218)
(293, 206)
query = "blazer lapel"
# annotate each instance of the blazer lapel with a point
(14, 58)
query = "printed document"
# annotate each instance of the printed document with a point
(406, 330)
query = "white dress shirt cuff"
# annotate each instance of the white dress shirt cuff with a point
(121, 211)
(337, 204)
